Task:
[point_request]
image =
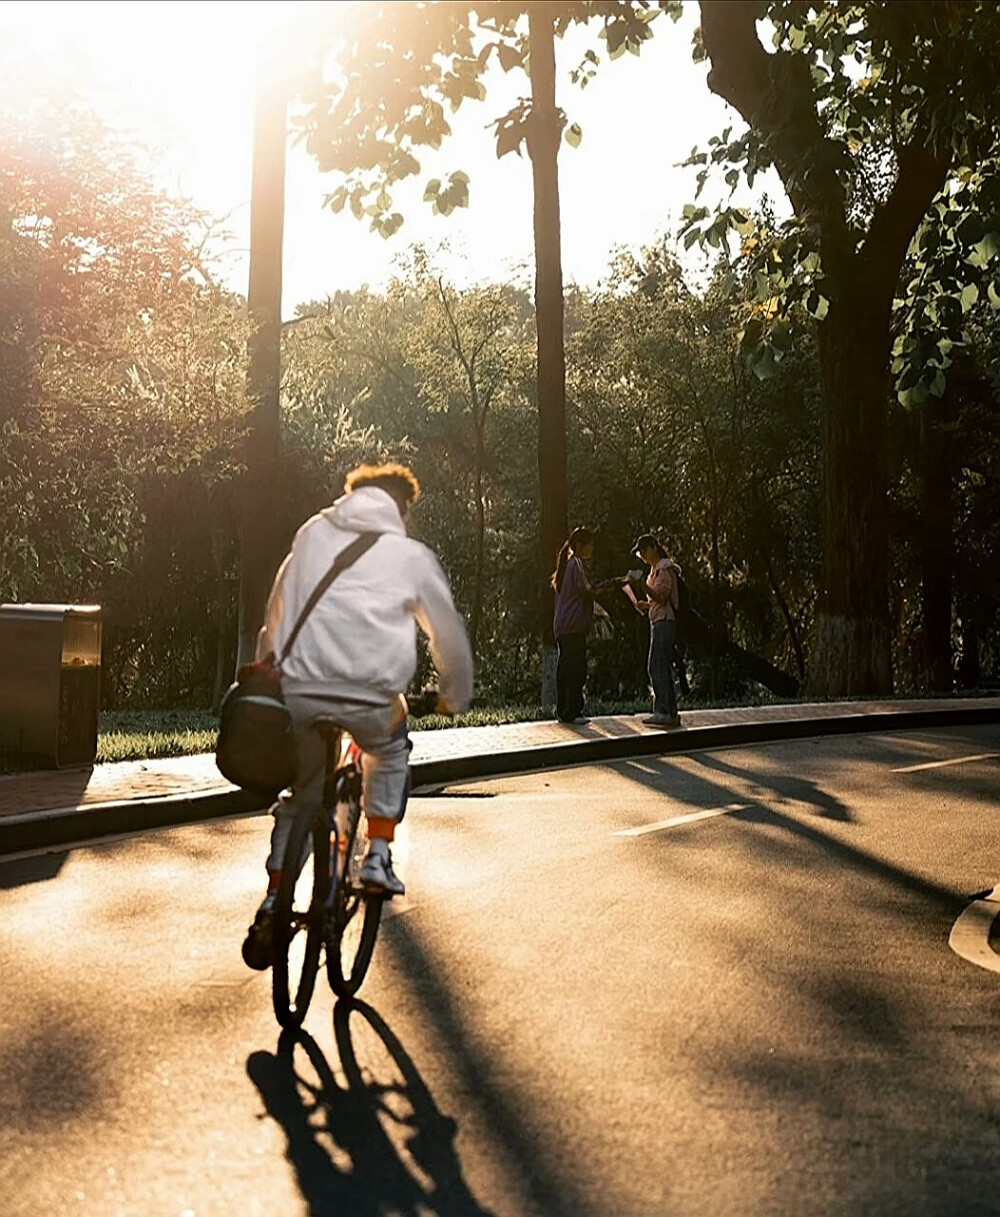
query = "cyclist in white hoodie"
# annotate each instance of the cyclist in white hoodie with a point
(354, 657)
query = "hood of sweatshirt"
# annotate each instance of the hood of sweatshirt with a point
(359, 640)
(367, 509)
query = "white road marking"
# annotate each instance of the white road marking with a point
(956, 760)
(674, 821)
(970, 935)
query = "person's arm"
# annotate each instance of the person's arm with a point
(589, 588)
(610, 585)
(449, 644)
(579, 582)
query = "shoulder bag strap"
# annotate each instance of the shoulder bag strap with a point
(347, 557)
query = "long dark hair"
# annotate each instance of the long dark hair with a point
(578, 537)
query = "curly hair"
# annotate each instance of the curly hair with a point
(395, 479)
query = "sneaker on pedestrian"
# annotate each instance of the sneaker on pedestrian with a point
(580, 718)
(661, 720)
(258, 946)
(675, 720)
(377, 872)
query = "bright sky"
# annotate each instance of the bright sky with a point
(178, 74)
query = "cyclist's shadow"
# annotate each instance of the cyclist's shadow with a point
(373, 1143)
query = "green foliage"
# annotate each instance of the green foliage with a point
(122, 433)
(867, 112)
(872, 115)
(669, 427)
(441, 377)
(952, 262)
(124, 414)
(400, 69)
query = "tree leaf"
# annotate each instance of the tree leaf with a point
(510, 57)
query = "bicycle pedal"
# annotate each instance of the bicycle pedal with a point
(372, 889)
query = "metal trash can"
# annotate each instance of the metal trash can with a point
(50, 683)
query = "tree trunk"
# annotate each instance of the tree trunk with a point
(543, 148)
(937, 552)
(478, 590)
(223, 643)
(713, 678)
(853, 640)
(260, 539)
(968, 660)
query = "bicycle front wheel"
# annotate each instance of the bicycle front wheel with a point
(298, 919)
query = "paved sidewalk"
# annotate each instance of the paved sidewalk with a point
(53, 808)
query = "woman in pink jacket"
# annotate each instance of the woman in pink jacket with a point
(660, 592)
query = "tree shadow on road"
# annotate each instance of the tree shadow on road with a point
(685, 786)
(699, 792)
(849, 1028)
(372, 1143)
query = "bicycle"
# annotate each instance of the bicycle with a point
(325, 906)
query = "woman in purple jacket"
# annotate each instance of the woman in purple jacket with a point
(574, 611)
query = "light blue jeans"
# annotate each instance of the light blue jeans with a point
(661, 666)
(380, 733)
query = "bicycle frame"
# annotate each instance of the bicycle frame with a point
(346, 795)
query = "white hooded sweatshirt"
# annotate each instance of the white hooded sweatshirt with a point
(360, 640)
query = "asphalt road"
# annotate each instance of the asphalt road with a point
(679, 986)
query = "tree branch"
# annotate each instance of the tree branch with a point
(920, 173)
(774, 94)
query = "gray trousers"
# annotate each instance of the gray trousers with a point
(380, 733)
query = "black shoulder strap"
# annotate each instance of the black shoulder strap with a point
(347, 557)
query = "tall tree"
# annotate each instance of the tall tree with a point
(864, 110)
(260, 543)
(400, 64)
(544, 134)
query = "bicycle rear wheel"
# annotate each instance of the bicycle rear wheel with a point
(298, 918)
(354, 919)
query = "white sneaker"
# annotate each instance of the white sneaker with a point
(377, 872)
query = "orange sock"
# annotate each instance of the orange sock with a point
(380, 828)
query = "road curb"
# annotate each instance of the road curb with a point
(62, 827)
(434, 774)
